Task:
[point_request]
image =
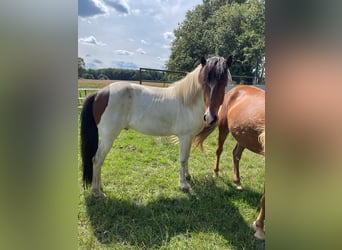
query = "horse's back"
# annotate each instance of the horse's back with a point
(115, 115)
(149, 110)
(246, 104)
(246, 115)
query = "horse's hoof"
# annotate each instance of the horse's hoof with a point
(216, 174)
(186, 189)
(259, 233)
(98, 194)
(238, 185)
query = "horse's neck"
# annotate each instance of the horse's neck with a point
(188, 91)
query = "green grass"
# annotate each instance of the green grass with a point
(92, 83)
(145, 208)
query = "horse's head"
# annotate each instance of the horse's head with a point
(214, 77)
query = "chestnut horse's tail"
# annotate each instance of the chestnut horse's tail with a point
(89, 139)
(198, 140)
(261, 139)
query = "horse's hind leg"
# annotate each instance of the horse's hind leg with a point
(259, 223)
(105, 145)
(237, 152)
(223, 133)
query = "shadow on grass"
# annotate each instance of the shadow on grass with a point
(208, 209)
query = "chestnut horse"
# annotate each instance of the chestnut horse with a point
(258, 225)
(177, 110)
(243, 114)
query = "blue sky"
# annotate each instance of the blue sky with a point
(128, 33)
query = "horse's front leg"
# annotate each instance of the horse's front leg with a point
(184, 153)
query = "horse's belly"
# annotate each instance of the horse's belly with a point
(152, 127)
(166, 125)
(247, 137)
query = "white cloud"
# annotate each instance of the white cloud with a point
(136, 12)
(90, 40)
(123, 52)
(141, 51)
(163, 59)
(166, 46)
(143, 41)
(168, 36)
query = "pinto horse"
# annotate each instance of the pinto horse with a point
(177, 110)
(243, 114)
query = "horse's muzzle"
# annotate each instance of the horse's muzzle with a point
(213, 121)
(209, 119)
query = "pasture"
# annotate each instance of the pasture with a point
(90, 83)
(146, 209)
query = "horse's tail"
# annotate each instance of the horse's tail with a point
(261, 138)
(198, 140)
(89, 139)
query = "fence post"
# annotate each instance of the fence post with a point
(140, 76)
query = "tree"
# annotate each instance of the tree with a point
(81, 67)
(221, 28)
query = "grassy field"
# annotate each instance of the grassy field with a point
(90, 83)
(146, 209)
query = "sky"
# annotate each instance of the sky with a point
(128, 33)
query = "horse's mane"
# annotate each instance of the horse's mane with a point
(187, 88)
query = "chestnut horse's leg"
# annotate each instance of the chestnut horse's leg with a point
(259, 223)
(237, 152)
(223, 133)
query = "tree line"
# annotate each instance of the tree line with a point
(117, 74)
(124, 74)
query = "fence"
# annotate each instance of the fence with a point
(247, 80)
(83, 92)
(167, 75)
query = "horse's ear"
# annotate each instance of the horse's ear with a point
(229, 61)
(203, 61)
